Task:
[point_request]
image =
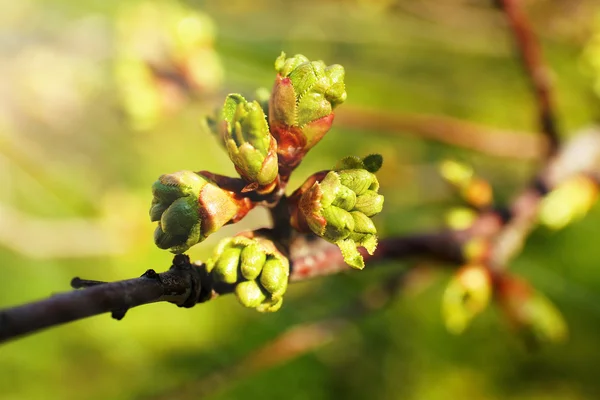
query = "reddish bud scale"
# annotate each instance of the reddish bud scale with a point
(233, 186)
(297, 219)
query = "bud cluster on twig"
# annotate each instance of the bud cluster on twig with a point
(266, 139)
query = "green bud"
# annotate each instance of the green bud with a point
(532, 313)
(340, 223)
(170, 187)
(468, 293)
(339, 206)
(318, 89)
(351, 255)
(182, 205)
(259, 271)
(226, 268)
(369, 203)
(274, 276)
(302, 103)
(284, 66)
(252, 260)
(250, 294)
(358, 180)
(362, 223)
(270, 305)
(248, 141)
(346, 198)
(180, 217)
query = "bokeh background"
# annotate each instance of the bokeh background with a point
(99, 97)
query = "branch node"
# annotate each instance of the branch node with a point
(119, 314)
(151, 274)
(181, 261)
(200, 282)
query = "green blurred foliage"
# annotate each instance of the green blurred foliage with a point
(76, 183)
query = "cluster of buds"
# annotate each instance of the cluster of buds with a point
(266, 139)
(339, 207)
(256, 268)
(301, 106)
(300, 112)
(188, 207)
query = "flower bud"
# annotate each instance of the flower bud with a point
(274, 276)
(250, 294)
(188, 208)
(252, 260)
(467, 294)
(568, 202)
(530, 312)
(338, 208)
(259, 271)
(302, 103)
(248, 141)
(474, 190)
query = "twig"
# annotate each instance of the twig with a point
(581, 155)
(180, 285)
(537, 71)
(452, 131)
(185, 284)
(441, 246)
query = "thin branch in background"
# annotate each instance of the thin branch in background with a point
(537, 71)
(448, 130)
(580, 155)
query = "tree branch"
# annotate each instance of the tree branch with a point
(452, 131)
(183, 285)
(537, 71)
(186, 284)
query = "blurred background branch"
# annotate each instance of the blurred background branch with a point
(537, 71)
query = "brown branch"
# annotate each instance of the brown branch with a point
(581, 155)
(537, 71)
(507, 229)
(186, 284)
(452, 131)
(182, 285)
(323, 258)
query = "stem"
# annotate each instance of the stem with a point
(181, 285)
(452, 131)
(536, 70)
